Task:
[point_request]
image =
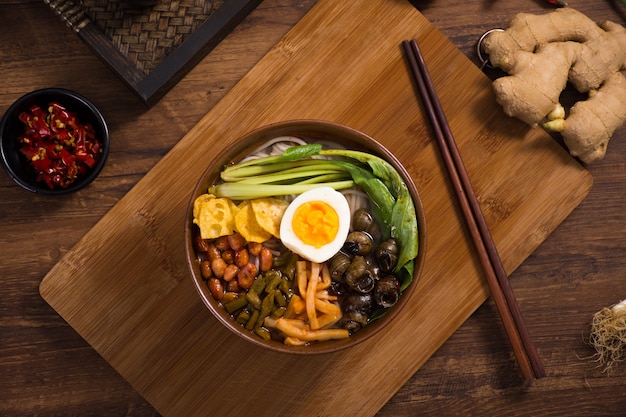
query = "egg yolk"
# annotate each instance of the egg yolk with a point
(315, 223)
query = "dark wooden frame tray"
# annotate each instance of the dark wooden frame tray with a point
(197, 33)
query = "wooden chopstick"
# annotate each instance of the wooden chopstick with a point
(502, 293)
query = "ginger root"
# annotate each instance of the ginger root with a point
(542, 54)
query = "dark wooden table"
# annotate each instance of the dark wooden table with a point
(47, 369)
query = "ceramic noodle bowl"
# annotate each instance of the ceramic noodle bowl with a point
(329, 135)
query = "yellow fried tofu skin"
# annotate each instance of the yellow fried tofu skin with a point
(214, 216)
(246, 224)
(256, 220)
(269, 213)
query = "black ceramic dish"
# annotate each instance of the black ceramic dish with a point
(17, 166)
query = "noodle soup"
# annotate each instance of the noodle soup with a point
(305, 260)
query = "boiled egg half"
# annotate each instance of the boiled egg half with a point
(316, 224)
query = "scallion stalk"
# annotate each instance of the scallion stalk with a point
(239, 191)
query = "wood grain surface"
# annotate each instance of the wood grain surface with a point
(125, 287)
(576, 271)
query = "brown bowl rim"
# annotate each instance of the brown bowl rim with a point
(306, 128)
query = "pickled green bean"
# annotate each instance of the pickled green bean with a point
(254, 298)
(289, 270)
(243, 316)
(236, 304)
(258, 285)
(273, 281)
(263, 332)
(285, 288)
(253, 319)
(281, 260)
(279, 312)
(267, 307)
(279, 298)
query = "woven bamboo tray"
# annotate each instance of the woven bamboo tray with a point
(151, 47)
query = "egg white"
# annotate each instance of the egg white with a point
(309, 252)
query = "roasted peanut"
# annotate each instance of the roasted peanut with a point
(230, 273)
(265, 260)
(218, 266)
(216, 288)
(236, 241)
(205, 269)
(221, 243)
(246, 275)
(201, 244)
(254, 248)
(213, 252)
(233, 286)
(228, 255)
(242, 257)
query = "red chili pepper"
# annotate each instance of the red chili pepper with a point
(58, 146)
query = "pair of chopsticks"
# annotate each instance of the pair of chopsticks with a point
(502, 293)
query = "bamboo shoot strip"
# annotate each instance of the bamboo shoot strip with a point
(505, 301)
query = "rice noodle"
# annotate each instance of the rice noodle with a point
(255, 261)
(274, 146)
(357, 199)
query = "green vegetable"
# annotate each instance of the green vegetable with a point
(253, 319)
(243, 316)
(402, 221)
(239, 191)
(279, 312)
(254, 298)
(236, 304)
(294, 153)
(291, 175)
(263, 332)
(258, 285)
(267, 306)
(252, 172)
(382, 200)
(301, 168)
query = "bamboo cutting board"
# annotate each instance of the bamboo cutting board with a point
(135, 303)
